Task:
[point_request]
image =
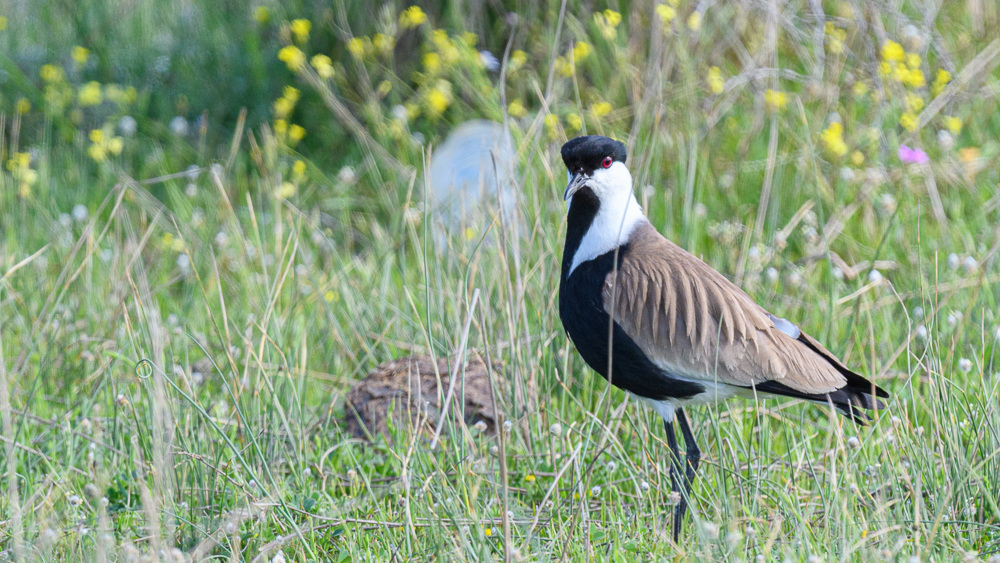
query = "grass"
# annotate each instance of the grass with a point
(178, 327)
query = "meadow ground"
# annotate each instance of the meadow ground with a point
(213, 222)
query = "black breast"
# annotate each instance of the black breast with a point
(582, 312)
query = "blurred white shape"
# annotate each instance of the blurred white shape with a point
(471, 179)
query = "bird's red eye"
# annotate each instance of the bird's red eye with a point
(606, 163)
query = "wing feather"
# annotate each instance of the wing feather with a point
(693, 322)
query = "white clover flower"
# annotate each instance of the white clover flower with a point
(953, 261)
(595, 491)
(965, 365)
(184, 262)
(612, 466)
(75, 500)
(854, 442)
(795, 278)
(945, 140)
(80, 212)
(887, 202)
(127, 125)
(278, 557)
(399, 113)
(953, 318)
(507, 425)
(346, 175)
(179, 126)
(875, 276)
(489, 61)
(918, 312)
(921, 333)
(480, 426)
(772, 274)
(644, 485)
(221, 238)
(970, 264)
(847, 174)
(711, 529)
(837, 273)
(674, 498)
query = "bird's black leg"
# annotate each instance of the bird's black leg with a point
(675, 474)
(693, 455)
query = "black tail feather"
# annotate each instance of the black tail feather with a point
(849, 400)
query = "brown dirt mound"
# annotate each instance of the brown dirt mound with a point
(408, 389)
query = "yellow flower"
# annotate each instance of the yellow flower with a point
(909, 121)
(607, 22)
(329, 296)
(80, 55)
(574, 121)
(296, 133)
(859, 89)
(291, 92)
(941, 79)
(517, 109)
(383, 43)
(356, 47)
(96, 136)
(470, 39)
(384, 88)
(51, 73)
(694, 21)
(323, 66)
(564, 67)
(613, 17)
(892, 51)
(715, 80)
(97, 153)
(488, 530)
(833, 139)
(914, 78)
(857, 158)
(775, 101)
(261, 14)
(432, 62)
(953, 124)
(552, 124)
(530, 477)
(913, 60)
(600, 109)
(280, 127)
(115, 146)
(412, 17)
(300, 29)
(438, 100)
(3, 23)
(293, 57)
(517, 60)
(666, 14)
(286, 190)
(298, 169)
(23, 106)
(90, 94)
(582, 50)
(283, 107)
(914, 102)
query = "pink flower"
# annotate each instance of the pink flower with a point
(912, 156)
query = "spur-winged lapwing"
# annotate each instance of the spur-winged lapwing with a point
(678, 332)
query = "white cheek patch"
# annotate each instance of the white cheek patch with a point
(617, 217)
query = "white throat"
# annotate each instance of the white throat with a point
(616, 219)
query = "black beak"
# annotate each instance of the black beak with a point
(575, 183)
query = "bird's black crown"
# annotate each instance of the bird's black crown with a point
(586, 153)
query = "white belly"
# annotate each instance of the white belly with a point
(713, 393)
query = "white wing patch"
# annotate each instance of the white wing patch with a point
(784, 325)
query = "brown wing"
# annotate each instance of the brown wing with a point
(693, 322)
